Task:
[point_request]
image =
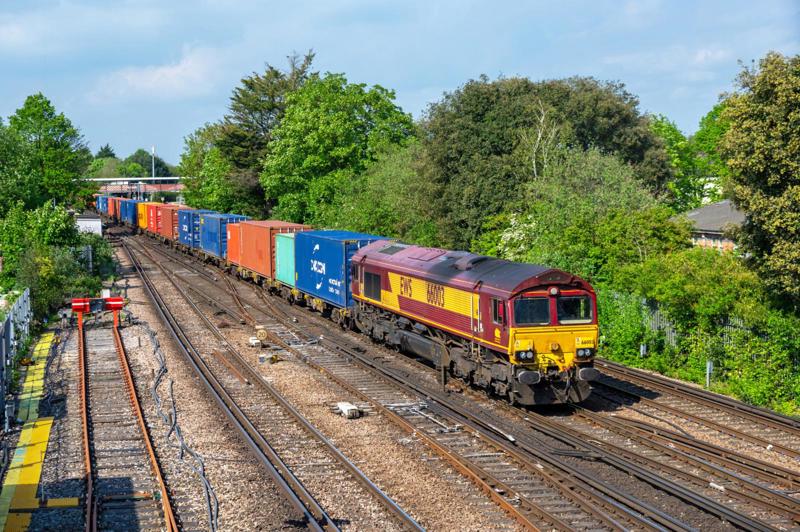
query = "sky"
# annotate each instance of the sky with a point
(142, 73)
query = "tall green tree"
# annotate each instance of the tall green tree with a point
(16, 184)
(56, 155)
(255, 110)
(145, 161)
(485, 140)
(330, 132)
(687, 186)
(762, 149)
(705, 144)
(105, 152)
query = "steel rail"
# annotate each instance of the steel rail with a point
(297, 495)
(256, 377)
(90, 522)
(166, 505)
(755, 413)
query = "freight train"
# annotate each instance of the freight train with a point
(525, 332)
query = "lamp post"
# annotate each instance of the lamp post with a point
(153, 154)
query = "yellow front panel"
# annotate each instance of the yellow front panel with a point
(553, 346)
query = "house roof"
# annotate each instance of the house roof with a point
(716, 216)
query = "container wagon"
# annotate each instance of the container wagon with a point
(189, 227)
(322, 268)
(168, 220)
(214, 234)
(142, 210)
(256, 256)
(113, 208)
(152, 217)
(129, 212)
(284, 265)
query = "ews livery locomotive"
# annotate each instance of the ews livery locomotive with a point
(522, 331)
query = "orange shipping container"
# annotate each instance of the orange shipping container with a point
(168, 220)
(257, 243)
(113, 207)
(234, 243)
(152, 217)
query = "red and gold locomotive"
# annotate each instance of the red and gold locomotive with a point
(523, 331)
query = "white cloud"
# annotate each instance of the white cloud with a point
(194, 74)
(673, 59)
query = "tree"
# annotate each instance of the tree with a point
(15, 183)
(145, 161)
(485, 140)
(390, 198)
(589, 215)
(131, 169)
(762, 149)
(255, 110)
(705, 144)
(331, 130)
(105, 152)
(688, 186)
(56, 155)
(107, 167)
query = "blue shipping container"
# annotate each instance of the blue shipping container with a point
(101, 203)
(128, 211)
(322, 263)
(189, 226)
(214, 232)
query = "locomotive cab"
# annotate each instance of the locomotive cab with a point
(553, 338)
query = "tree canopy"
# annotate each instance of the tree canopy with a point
(493, 136)
(330, 131)
(762, 149)
(105, 152)
(144, 160)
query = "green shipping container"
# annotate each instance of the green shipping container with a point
(284, 258)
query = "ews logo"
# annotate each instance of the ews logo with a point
(405, 286)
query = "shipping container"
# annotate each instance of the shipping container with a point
(234, 244)
(100, 204)
(189, 226)
(258, 244)
(142, 210)
(168, 220)
(152, 217)
(322, 263)
(129, 212)
(284, 258)
(213, 232)
(113, 207)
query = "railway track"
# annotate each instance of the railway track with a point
(756, 487)
(124, 485)
(709, 411)
(300, 454)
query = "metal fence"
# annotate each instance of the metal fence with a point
(656, 320)
(14, 331)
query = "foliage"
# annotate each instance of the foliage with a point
(762, 149)
(330, 132)
(131, 169)
(389, 198)
(105, 152)
(484, 141)
(144, 159)
(53, 154)
(15, 183)
(255, 110)
(687, 187)
(105, 167)
(21, 229)
(589, 215)
(705, 144)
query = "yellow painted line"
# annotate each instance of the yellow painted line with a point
(63, 502)
(25, 471)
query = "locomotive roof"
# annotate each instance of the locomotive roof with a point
(463, 267)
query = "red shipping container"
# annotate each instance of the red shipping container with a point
(167, 220)
(234, 244)
(257, 243)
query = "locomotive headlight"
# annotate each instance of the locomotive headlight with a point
(582, 353)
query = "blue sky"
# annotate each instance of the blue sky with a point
(139, 73)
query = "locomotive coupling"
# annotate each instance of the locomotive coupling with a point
(588, 374)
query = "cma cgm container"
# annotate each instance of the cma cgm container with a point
(129, 212)
(189, 226)
(322, 263)
(168, 220)
(284, 258)
(214, 234)
(257, 252)
(234, 244)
